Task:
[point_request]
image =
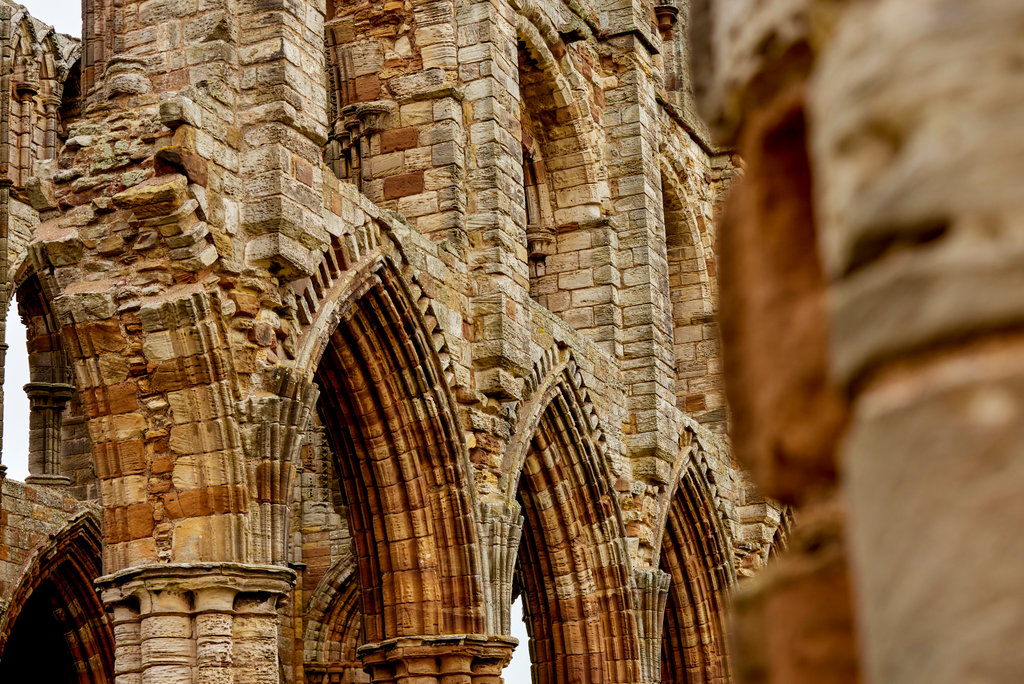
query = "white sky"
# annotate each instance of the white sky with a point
(15, 452)
(518, 671)
(66, 17)
(63, 15)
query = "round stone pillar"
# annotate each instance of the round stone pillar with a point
(455, 659)
(196, 623)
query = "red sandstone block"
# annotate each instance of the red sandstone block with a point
(162, 463)
(399, 139)
(115, 525)
(303, 171)
(103, 336)
(246, 304)
(140, 520)
(367, 88)
(121, 398)
(194, 503)
(403, 185)
(175, 159)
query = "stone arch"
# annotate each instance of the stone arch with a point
(699, 384)
(60, 449)
(572, 567)
(39, 62)
(564, 181)
(56, 619)
(697, 555)
(334, 628)
(47, 359)
(391, 423)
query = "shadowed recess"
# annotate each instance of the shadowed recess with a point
(396, 444)
(56, 628)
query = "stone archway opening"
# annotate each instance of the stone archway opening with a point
(56, 629)
(404, 477)
(38, 648)
(694, 555)
(572, 581)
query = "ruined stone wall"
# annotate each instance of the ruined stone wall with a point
(359, 320)
(31, 515)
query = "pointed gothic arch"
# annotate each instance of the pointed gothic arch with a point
(394, 432)
(334, 628)
(700, 390)
(60, 448)
(56, 628)
(696, 554)
(564, 181)
(572, 567)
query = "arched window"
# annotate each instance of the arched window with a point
(563, 185)
(700, 389)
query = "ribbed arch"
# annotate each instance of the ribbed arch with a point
(398, 449)
(47, 360)
(334, 628)
(698, 559)
(56, 625)
(572, 568)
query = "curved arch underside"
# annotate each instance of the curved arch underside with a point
(57, 629)
(337, 632)
(397, 446)
(693, 648)
(573, 576)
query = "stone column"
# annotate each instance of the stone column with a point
(917, 176)
(196, 623)
(47, 401)
(52, 103)
(459, 659)
(651, 598)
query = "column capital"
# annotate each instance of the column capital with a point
(50, 392)
(189, 622)
(447, 655)
(212, 583)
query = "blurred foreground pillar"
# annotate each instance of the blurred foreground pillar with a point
(918, 148)
(871, 302)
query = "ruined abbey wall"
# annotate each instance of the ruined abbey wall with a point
(351, 322)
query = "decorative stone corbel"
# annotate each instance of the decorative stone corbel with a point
(667, 15)
(501, 528)
(651, 598)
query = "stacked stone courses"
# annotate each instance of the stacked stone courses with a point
(350, 323)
